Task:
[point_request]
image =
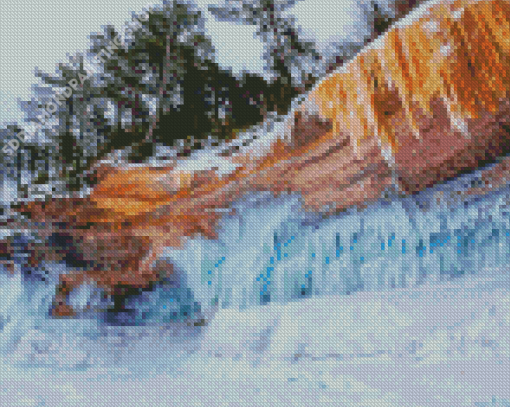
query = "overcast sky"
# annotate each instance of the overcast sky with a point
(41, 33)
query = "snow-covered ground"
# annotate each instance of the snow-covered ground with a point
(404, 304)
(437, 344)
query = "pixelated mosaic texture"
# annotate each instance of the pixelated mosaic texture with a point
(366, 185)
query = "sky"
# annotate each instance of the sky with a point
(41, 33)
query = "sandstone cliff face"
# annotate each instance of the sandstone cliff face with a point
(423, 103)
(430, 98)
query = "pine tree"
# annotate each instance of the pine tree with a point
(156, 82)
(287, 55)
(71, 118)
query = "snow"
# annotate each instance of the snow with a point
(441, 343)
(424, 326)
